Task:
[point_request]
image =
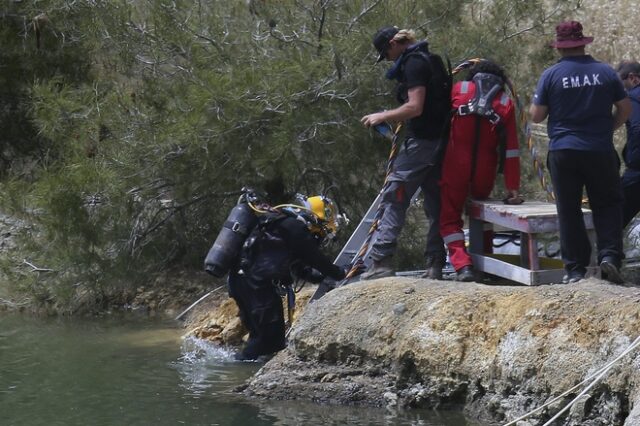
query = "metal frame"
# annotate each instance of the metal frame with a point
(531, 219)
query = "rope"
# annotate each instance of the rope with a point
(357, 264)
(596, 376)
(537, 164)
(198, 301)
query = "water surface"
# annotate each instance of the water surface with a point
(137, 371)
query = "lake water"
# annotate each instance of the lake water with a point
(138, 371)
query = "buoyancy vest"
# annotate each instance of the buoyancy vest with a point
(487, 87)
(265, 256)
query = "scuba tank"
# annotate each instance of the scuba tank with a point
(228, 244)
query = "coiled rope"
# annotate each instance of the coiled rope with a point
(533, 151)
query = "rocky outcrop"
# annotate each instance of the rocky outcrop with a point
(497, 351)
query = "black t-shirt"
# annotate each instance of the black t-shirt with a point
(416, 72)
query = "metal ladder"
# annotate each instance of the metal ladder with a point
(357, 238)
(354, 244)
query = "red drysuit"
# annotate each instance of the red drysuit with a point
(457, 183)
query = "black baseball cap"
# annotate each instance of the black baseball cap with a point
(381, 40)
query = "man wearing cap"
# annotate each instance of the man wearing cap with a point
(423, 94)
(629, 72)
(577, 95)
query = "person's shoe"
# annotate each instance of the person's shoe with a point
(434, 269)
(378, 269)
(466, 274)
(610, 270)
(573, 276)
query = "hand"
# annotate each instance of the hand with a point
(313, 276)
(373, 119)
(513, 198)
(346, 268)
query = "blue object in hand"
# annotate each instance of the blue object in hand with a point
(385, 130)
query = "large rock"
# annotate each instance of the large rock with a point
(498, 351)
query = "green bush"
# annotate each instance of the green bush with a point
(133, 124)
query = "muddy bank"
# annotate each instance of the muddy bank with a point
(497, 351)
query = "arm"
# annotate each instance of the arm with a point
(631, 152)
(412, 108)
(622, 112)
(305, 248)
(538, 113)
(539, 109)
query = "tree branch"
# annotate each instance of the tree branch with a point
(364, 11)
(36, 268)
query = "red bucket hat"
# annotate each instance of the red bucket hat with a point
(569, 34)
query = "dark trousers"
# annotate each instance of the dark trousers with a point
(631, 205)
(261, 312)
(598, 173)
(416, 166)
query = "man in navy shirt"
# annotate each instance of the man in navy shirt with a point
(629, 73)
(577, 94)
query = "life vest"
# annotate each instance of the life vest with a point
(265, 256)
(487, 87)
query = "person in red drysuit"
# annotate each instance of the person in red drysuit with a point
(460, 177)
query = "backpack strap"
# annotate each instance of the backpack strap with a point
(487, 87)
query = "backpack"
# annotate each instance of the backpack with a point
(487, 87)
(265, 255)
(438, 102)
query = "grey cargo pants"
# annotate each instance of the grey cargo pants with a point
(416, 166)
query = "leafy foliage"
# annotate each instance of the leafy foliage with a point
(139, 120)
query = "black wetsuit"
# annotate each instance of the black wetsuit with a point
(276, 253)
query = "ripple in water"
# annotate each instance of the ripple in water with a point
(206, 368)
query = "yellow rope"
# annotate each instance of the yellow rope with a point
(357, 263)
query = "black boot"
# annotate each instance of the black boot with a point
(466, 274)
(434, 269)
(610, 270)
(379, 269)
